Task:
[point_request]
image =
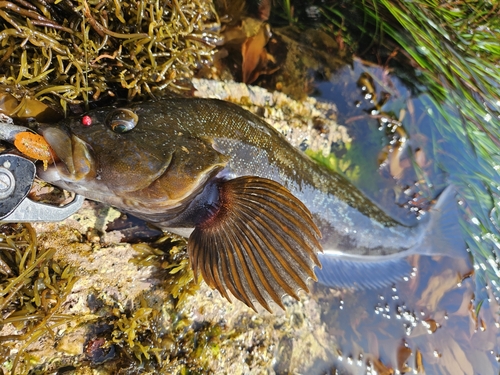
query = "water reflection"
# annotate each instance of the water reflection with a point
(427, 323)
(430, 323)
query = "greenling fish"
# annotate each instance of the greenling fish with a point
(258, 213)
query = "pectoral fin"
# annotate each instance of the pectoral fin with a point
(260, 244)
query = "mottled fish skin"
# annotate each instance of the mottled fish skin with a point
(349, 221)
(185, 150)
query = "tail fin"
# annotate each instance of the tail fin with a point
(442, 236)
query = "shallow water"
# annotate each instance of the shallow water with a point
(441, 320)
(431, 323)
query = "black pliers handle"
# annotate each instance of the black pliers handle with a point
(16, 178)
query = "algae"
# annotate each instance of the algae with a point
(76, 52)
(33, 287)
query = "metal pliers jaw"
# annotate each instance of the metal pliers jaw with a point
(16, 178)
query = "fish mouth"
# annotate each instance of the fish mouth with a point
(75, 161)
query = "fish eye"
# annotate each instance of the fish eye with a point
(122, 120)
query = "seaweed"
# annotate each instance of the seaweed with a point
(169, 253)
(32, 288)
(75, 52)
(154, 332)
(165, 340)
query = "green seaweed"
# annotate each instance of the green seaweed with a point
(82, 51)
(32, 288)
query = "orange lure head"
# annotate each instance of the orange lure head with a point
(34, 146)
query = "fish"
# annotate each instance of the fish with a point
(260, 216)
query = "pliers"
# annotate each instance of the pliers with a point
(17, 175)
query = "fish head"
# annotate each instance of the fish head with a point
(129, 158)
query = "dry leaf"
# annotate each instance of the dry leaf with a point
(380, 368)
(403, 353)
(419, 363)
(255, 57)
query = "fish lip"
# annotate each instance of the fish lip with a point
(75, 159)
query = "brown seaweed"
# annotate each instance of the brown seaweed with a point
(32, 288)
(77, 51)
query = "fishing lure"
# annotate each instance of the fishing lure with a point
(34, 146)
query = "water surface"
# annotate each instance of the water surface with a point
(442, 319)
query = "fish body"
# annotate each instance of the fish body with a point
(256, 210)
